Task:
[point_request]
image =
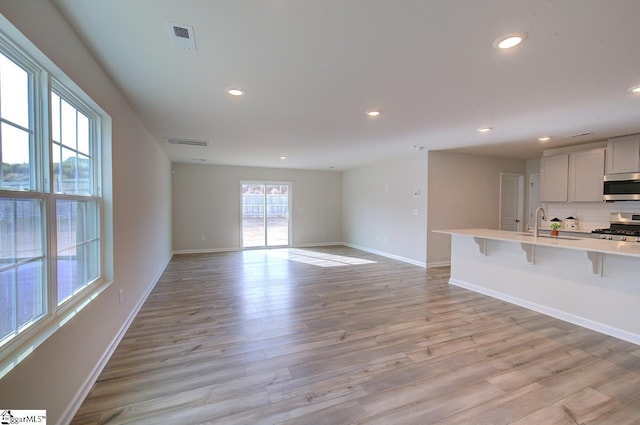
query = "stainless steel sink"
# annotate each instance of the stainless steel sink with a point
(551, 237)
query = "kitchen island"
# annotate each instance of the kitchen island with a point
(589, 282)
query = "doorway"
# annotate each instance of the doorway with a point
(511, 202)
(534, 199)
(265, 214)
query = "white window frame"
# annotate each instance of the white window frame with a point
(46, 77)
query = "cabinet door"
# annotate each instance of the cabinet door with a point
(554, 173)
(586, 175)
(623, 154)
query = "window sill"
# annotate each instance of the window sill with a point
(19, 349)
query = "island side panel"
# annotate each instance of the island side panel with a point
(560, 283)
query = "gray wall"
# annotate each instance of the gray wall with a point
(206, 202)
(378, 207)
(464, 192)
(53, 375)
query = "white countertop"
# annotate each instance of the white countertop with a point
(630, 249)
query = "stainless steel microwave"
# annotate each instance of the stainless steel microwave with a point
(622, 187)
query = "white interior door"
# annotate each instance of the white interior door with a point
(534, 199)
(512, 202)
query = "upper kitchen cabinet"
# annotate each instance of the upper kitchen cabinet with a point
(586, 175)
(554, 178)
(623, 154)
(573, 177)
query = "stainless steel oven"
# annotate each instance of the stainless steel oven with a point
(622, 227)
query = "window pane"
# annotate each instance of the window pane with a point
(55, 117)
(68, 123)
(14, 92)
(7, 303)
(69, 171)
(21, 230)
(93, 261)
(29, 229)
(31, 302)
(16, 166)
(57, 167)
(84, 170)
(78, 246)
(66, 214)
(83, 133)
(23, 288)
(72, 161)
(69, 281)
(72, 173)
(7, 231)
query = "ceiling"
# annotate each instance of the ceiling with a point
(311, 70)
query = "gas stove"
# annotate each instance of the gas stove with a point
(622, 227)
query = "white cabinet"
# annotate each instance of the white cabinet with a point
(623, 154)
(586, 175)
(574, 177)
(554, 178)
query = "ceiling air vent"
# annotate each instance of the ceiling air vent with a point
(187, 142)
(182, 36)
(582, 134)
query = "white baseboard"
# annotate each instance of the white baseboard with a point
(558, 314)
(204, 251)
(387, 255)
(317, 245)
(439, 264)
(215, 250)
(82, 393)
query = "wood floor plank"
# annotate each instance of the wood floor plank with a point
(334, 335)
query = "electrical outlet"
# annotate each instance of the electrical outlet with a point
(120, 296)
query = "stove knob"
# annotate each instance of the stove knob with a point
(603, 236)
(638, 239)
(623, 238)
(609, 237)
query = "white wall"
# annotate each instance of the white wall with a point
(206, 202)
(378, 207)
(54, 376)
(464, 192)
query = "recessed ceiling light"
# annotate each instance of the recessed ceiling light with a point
(544, 139)
(373, 113)
(485, 129)
(510, 40)
(235, 92)
(283, 157)
(635, 89)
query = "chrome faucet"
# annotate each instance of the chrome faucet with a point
(536, 231)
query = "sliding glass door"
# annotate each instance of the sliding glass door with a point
(265, 214)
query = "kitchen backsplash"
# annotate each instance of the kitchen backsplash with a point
(590, 215)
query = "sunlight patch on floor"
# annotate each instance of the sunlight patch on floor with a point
(315, 258)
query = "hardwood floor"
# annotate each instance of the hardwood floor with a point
(339, 336)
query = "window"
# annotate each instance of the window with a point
(50, 200)
(16, 129)
(77, 209)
